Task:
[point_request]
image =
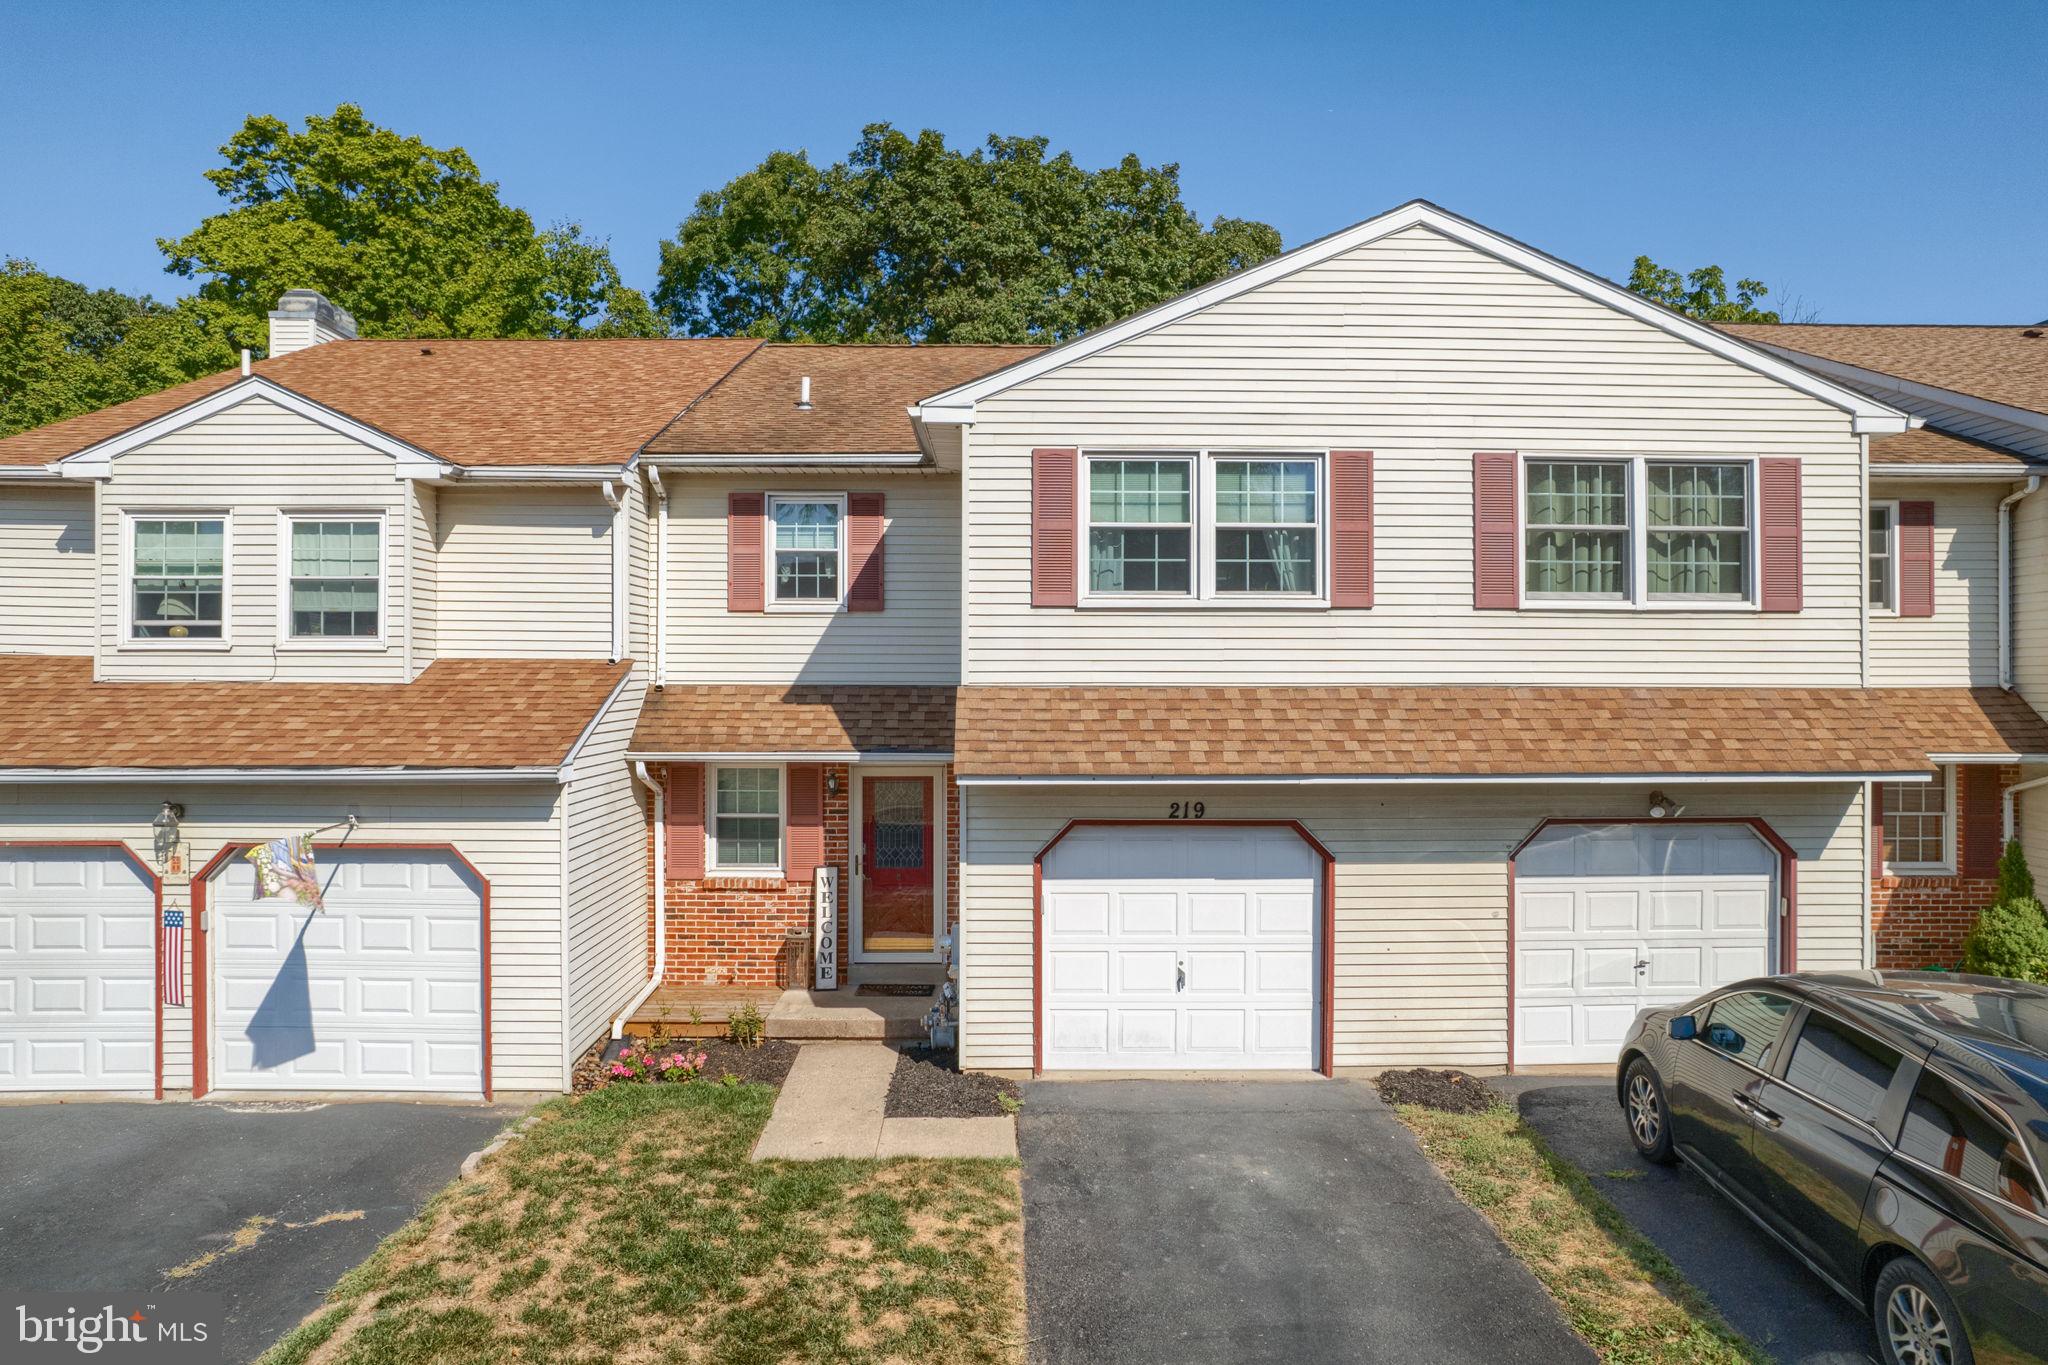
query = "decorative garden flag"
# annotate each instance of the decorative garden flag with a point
(174, 957)
(284, 867)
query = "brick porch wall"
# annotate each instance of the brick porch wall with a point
(1922, 921)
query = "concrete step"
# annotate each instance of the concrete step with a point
(801, 1016)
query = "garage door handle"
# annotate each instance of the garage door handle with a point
(1180, 976)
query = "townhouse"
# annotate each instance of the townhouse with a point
(1411, 650)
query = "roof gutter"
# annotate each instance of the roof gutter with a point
(549, 773)
(599, 474)
(737, 460)
(23, 473)
(788, 756)
(1452, 779)
(2006, 587)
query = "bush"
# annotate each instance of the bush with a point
(2015, 882)
(2010, 940)
(645, 1062)
(745, 1026)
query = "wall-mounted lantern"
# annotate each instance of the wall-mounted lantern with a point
(166, 828)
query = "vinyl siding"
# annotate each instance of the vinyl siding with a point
(1423, 351)
(46, 560)
(524, 572)
(2030, 599)
(1958, 645)
(1422, 897)
(608, 872)
(509, 832)
(425, 569)
(251, 461)
(914, 639)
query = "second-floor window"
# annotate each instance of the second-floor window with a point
(1203, 527)
(336, 577)
(809, 555)
(1918, 823)
(178, 573)
(1635, 531)
(1883, 554)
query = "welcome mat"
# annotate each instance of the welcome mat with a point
(893, 988)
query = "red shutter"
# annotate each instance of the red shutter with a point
(1054, 565)
(684, 814)
(806, 836)
(1495, 530)
(745, 579)
(864, 551)
(1983, 820)
(1351, 528)
(1778, 519)
(1916, 559)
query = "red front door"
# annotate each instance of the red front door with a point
(896, 863)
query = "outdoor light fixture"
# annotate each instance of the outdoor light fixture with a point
(1663, 807)
(832, 781)
(166, 827)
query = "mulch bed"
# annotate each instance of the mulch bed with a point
(1453, 1092)
(767, 1064)
(928, 1084)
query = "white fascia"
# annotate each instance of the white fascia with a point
(48, 776)
(1455, 780)
(784, 756)
(701, 463)
(568, 768)
(1868, 415)
(1954, 398)
(1971, 473)
(596, 474)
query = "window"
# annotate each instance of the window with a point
(178, 578)
(1956, 1135)
(1266, 526)
(1698, 536)
(810, 548)
(1842, 1066)
(1918, 820)
(1748, 1026)
(1636, 532)
(335, 579)
(1577, 529)
(1140, 526)
(1884, 556)
(746, 819)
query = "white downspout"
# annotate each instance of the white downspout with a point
(616, 496)
(660, 901)
(2005, 595)
(660, 594)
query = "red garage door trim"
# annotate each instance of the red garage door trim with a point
(1788, 886)
(1327, 895)
(204, 880)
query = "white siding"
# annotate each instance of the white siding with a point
(608, 874)
(1958, 645)
(914, 639)
(46, 560)
(1422, 897)
(525, 572)
(1422, 350)
(509, 832)
(424, 568)
(2030, 599)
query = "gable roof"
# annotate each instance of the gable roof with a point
(860, 399)
(1930, 446)
(956, 405)
(2006, 365)
(472, 403)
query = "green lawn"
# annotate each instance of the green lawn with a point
(628, 1225)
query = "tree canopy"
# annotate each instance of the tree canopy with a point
(1702, 293)
(910, 240)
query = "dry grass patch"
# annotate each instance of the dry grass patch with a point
(1618, 1291)
(630, 1226)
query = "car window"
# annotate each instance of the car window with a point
(1748, 1025)
(1951, 1132)
(1842, 1066)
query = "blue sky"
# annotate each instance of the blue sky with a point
(1877, 160)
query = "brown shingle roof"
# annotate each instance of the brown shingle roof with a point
(1929, 445)
(2003, 364)
(777, 719)
(470, 402)
(459, 713)
(1478, 731)
(858, 399)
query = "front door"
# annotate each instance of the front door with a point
(898, 902)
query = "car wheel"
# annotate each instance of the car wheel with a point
(1917, 1322)
(1649, 1118)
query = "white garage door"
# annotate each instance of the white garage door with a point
(77, 971)
(1180, 947)
(382, 990)
(1612, 919)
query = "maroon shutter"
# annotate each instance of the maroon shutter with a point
(1916, 559)
(1778, 519)
(1495, 530)
(1054, 566)
(1983, 819)
(744, 530)
(684, 813)
(806, 838)
(864, 551)
(1877, 829)
(1351, 528)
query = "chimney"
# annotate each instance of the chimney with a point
(304, 317)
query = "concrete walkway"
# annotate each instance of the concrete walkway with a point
(832, 1106)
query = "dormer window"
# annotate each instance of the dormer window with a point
(334, 585)
(177, 578)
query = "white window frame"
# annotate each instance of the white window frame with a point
(818, 606)
(1637, 569)
(1202, 592)
(1890, 507)
(323, 644)
(1947, 866)
(129, 640)
(714, 868)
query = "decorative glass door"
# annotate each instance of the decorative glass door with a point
(897, 887)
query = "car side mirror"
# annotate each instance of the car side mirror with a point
(1684, 1027)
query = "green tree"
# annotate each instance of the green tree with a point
(910, 240)
(1701, 294)
(2010, 938)
(409, 238)
(2015, 879)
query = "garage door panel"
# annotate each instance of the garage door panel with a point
(1677, 911)
(389, 997)
(1072, 914)
(1606, 912)
(384, 934)
(1608, 969)
(1284, 973)
(1286, 915)
(1733, 962)
(1147, 1031)
(1079, 973)
(1222, 1031)
(1214, 973)
(1138, 913)
(1674, 853)
(1077, 1032)
(77, 970)
(1545, 912)
(1545, 969)
(1285, 1033)
(1213, 912)
(1141, 973)
(1736, 910)
(1607, 1025)
(448, 935)
(57, 933)
(1677, 969)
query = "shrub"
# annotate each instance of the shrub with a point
(745, 1025)
(2015, 882)
(645, 1062)
(2010, 940)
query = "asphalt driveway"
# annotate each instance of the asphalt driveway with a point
(113, 1197)
(1244, 1221)
(1763, 1292)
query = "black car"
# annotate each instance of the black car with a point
(1890, 1128)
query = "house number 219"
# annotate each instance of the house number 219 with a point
(1186, 810)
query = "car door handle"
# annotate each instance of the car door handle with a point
(1744, 1103)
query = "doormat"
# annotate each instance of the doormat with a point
(893, 988)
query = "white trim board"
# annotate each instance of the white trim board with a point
(216, 775)
(781, 756)
(1954, 398)
(1870, 416)
(1516, 779)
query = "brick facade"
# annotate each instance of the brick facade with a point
(1922, 921)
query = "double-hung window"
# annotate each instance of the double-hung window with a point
(1265, 532)
(178, 578)
(746, 820)
(1883, 557)
(335, 583)
(1204, 526)
(1141, 526)
(1636, 532)
(1919, 823)
(808, 562)
(1698, 537)
(1578, 529)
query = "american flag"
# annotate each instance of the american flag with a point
(174, 957)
